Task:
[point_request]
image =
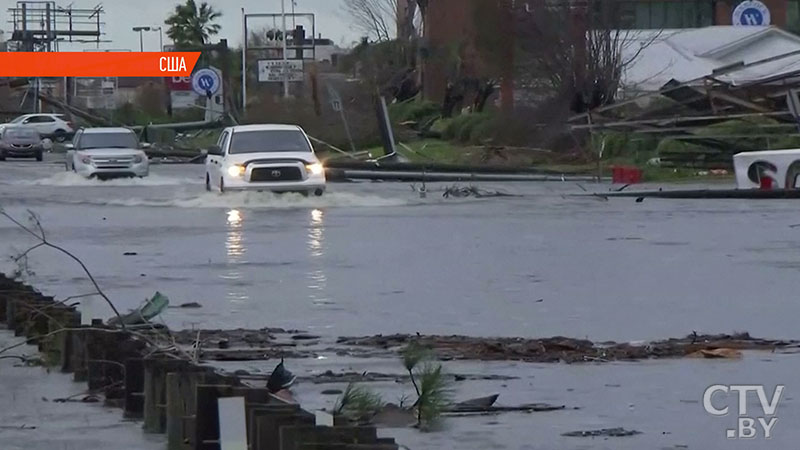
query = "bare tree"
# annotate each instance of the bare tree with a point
(376, 18)
(575, 52)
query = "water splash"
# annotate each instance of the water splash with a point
(258, 200)
(71, 179)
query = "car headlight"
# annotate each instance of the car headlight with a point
(236, 171)
(86, 160)
(138, 159)
(315, 168)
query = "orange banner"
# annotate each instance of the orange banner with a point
(97, 64)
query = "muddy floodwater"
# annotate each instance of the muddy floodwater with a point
(370, 258)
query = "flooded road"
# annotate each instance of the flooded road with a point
(373, 258)
(35, 417)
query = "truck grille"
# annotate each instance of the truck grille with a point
(266, 174)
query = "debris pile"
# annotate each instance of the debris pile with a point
(473, 191)
(557, 349)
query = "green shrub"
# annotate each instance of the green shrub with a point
(435, 394)
(667, 146)
(616, 144)
(460, 128)
(785, 142)
(486, 130)
(441, 125)
(416, 111)
(751, 126)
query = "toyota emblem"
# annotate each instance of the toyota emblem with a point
(276, 174)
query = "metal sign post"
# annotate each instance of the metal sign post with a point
(244, 62)
(285, 55)
(338, 106)
(385, 126)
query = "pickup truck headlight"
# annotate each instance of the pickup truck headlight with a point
(315, 168)
(138, 159)
(236, 171)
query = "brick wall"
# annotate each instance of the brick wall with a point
(450, 41)
(448, 27)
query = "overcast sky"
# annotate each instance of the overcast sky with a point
(122, 15)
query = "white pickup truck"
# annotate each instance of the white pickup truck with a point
(276, 158)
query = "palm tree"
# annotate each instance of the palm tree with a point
(192, 26)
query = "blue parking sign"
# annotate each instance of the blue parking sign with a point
(751, 13)
(206, 82)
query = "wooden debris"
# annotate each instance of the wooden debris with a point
(562, 349)
(717, 353)
(605, 432)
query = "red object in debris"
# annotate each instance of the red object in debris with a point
(626, 175)
(766, 183)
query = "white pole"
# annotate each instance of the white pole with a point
(244, 62)
(285, 53)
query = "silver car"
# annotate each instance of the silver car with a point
(21, 142)
(107, 153)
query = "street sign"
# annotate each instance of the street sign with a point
(751, 13)
(184, 99)
(338, 106)
(206, 82)
(335, 98)
(275, 70)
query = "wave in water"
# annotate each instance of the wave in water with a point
(67, 179)
(259, 200)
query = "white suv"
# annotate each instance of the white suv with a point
(107, 153)
(47, 125)
(277, 158)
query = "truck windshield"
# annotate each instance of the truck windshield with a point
(89, 141)
(269, 141)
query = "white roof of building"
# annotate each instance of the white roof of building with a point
(686, 55)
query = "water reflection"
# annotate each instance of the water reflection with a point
(316, 234)
(233, 244)
(235, 250)
(317, 277)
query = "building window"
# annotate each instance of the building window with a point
(648, 14)
(793, 16)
